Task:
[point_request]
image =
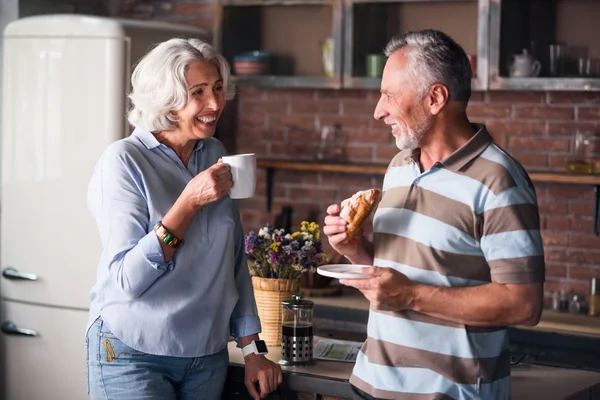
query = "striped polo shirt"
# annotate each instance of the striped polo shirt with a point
(470, 220)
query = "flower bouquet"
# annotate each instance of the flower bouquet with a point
(276, 261)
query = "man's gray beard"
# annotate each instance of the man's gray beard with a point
(413, 138)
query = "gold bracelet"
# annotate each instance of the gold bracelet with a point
(167, 237)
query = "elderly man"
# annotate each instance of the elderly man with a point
(457, 254)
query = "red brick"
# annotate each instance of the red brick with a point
(259, 147)
(370, 136)
(297, 178)
(589, 241)
(581, 209)
(386, 153)
(588, 113)
(569, 192)
(570, 128)
(298, 150)
(584, 273)
(556, 255)
(277, 94)
(561, 113)
(556, 270)
(250, 92)
(583, 226)
(313, 194)
(552, 207)
(543, 144)
(344, 180)
(343, 94)
(304, 136)
(347, 122)
(512, 97)
(252, 121)
(573, 97)
(362, 153)
(535, 161)
(316, 107)
(193, 8)
(358, 107)
(516, 127)
(556, 223)
(558, 161)
(586, 257)
(263, 107)
(261, 134)
(555, 239)
(487, 111)
(305, 122)
(279, 190)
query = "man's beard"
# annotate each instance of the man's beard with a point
(411, 138)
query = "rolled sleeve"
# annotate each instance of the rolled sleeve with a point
(136, 259)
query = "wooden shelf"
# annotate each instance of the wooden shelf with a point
(271, 165)
(379, 169)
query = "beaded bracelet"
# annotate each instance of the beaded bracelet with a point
(167, 237)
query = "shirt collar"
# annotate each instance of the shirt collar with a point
(149, 140)
(470, 150)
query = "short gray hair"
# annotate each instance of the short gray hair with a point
(158, 82)
(436, 58)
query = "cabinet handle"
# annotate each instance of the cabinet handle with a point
(10, 328)
(14, 274)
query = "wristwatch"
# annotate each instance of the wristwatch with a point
(256, 347)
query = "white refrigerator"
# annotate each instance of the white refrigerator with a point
(66, 78)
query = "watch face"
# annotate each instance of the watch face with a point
(261, 346)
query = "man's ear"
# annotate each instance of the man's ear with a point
(437, 98)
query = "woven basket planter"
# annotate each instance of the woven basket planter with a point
(269, 294)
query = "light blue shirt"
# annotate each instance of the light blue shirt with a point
(189, 306)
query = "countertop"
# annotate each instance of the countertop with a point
(551, 321)
(528, 382)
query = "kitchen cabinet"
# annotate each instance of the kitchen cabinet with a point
(492, 32)
(292, 32)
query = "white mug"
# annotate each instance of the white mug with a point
(243, 173)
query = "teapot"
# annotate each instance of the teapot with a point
(524, 65)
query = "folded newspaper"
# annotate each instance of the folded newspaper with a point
(336, 350)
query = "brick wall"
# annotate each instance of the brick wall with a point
(536, 127)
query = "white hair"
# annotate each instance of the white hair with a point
(158, 82)
(435, 57)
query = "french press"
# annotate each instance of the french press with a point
(297, 331)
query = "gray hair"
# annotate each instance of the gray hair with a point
(158, 82)
(436, 58)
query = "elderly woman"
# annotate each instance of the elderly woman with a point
(172, 282)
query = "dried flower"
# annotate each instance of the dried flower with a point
(273, 253)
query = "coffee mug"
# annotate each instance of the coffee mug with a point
(243, 173)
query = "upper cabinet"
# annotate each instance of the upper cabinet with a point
(544, 44)
(369, 25)
(512, 44)
(282, 43)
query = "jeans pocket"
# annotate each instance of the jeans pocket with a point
(113, 350)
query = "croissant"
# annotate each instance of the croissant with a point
(356, 210)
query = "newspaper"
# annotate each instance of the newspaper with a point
(336, 350)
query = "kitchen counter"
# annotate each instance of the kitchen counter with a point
(331, 378)
(551, 321)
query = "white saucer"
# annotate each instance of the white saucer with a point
(339, 271)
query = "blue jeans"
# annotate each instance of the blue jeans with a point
(118, 372)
